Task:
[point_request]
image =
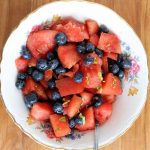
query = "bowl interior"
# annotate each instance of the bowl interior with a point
(125, 109)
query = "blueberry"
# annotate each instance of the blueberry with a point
(120, 59)
(81, 47)
(42, 65)
(72, 123)
(20, 84)
(37, 75)
(61, 38)
(120, 74)
(25, 53)
(30, 70)
(78, 77)
(90, 47)
(22, 76)
(55, 51)
(78, 120)
(115, 69)
(60, 70)
(97, 100)
(50, 56)
(97, 97)
(111, 62)
(104, 29)
(126, 64)
(30, 99)
(53, 64)
(58, 108)
(55, 95)
(51, 83)
(99, 52)
(88, 60)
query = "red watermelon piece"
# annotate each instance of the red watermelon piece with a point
(48, 74)
(60, 125)
(105, 64)
(67, 86)
(89, 120)
(41, 111)
(113, 56)
(94, 39)
(92, 26)
(92, 76)
(109, 43)
(75, 30)
(21, 64)
(74, 106)
(68, 55)
(91, 90)
(29, 86)
(86, 99)
(49, 94)
(32, 62)
(44, 84)
(103, 112)
(39, 89)
(109, 98)
(40, 42)
(111, 85)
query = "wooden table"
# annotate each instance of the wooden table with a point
(137, 14)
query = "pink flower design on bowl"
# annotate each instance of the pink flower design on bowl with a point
(135, 68)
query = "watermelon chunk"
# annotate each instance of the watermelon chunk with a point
(75, 30)
(94, 39)
(105, 64)
(39, 89)
(111, 85)
(32, 62)
(92, 76)
(103, 112)
(68, 55)
(91, 90)
(44, 84)
(89, 120)
(109, 98)
(29, 86)
(49, 94)
(40, 42)
(60, 125)
(74, 106)
(41, 111)
(21, 64)
(111, 55)
(67, 86)
(92, 26)
(48, 74)
(86, 99)
(109, 43)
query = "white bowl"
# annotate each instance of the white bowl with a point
(125, 110)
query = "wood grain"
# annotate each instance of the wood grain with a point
(137, 14)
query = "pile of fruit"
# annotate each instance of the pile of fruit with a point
(70, 74)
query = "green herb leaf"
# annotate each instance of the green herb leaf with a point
(82, 117)
(63, 119)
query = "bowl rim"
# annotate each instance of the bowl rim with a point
(128, 126)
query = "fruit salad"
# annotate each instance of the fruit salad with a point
(70, 74)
